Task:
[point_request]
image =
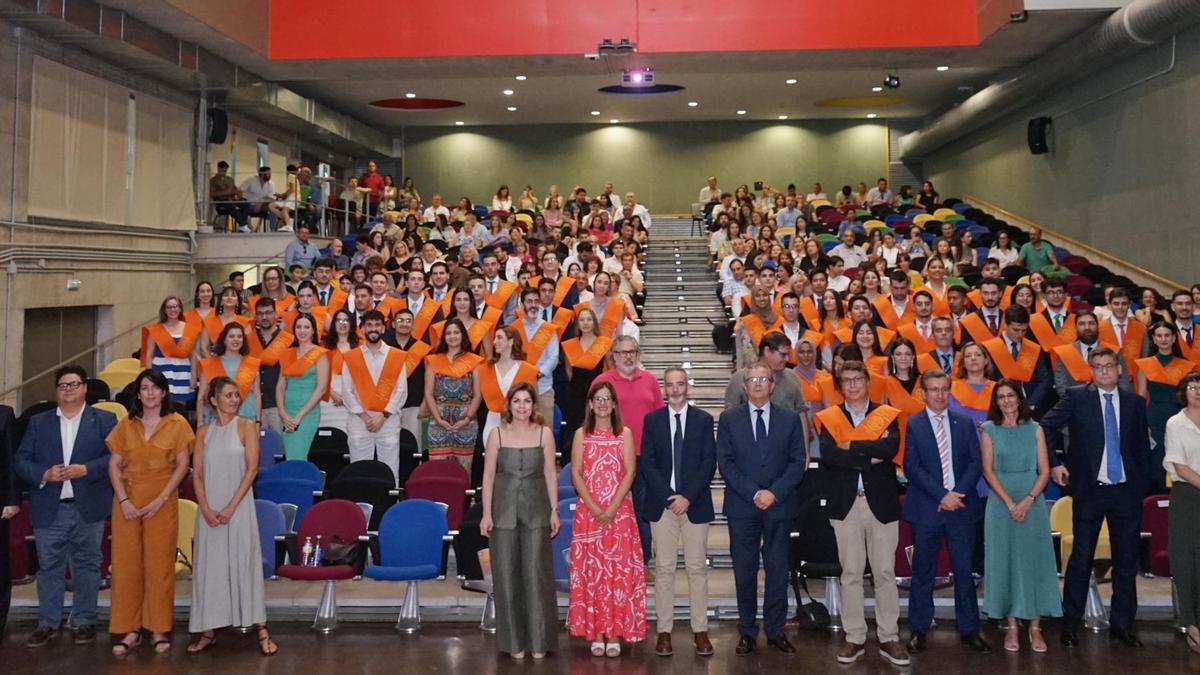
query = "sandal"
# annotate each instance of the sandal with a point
(597, 649)
(125, 645)
(265, 644)
(162, 646)
(1012, 640)
(207, 639)
(1036, 641)
(612, 650)
(538, 656)
(1193, 643)
(517, 656)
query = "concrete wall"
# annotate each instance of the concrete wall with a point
(1122, 172)
(665, 164)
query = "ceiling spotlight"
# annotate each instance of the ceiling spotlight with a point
(693, 104)
(614, 121)
(790, 81)
(877, 88)
(891, 81)
(741, 112)
(512, 108)
(459, 123)
(507, 92)
(871, 116)
(521, 78)
(783, 117)
(595, 113)
(942, 69)
(410, 95)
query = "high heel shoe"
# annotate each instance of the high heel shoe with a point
(1036, 641)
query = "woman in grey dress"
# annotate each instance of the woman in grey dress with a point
(227, 582)
(520, 515)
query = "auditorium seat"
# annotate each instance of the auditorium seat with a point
(335, 521)
(270, 444)
(560, 544)
(1154, 528)
(271, 523)
(1096, 273)
(814, 554)
(445, 482)
(97, 391)
(112, 407)
(1062, 527)
(22, 553)
(904, 556)
(297, 469)
(469, 543)
(187, 535)
(295, 491)
(329, 451)
(367, 481)
(410, 544)
(410, 455)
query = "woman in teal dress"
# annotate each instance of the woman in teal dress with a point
(1158, 380)
(232, 360)
(1021, 581)
(303, 379)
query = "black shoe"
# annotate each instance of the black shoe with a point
(975, 641)
(85, 635)
(745, 645)
(1125, 637)
(41, 635)
(781, 643)
(1069, 636)
(916, 643)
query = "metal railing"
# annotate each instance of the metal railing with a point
(329, 221)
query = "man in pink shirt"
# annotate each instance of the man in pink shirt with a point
(638, 393)
(372, 180)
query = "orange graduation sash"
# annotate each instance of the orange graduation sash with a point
(319, 315)
(489, 383)
(808, 310)
(883, 305)
(912, 333)
(909, 404)
(586, 359)
(872, 427)
(271, 354)
(885, 336)
(811, 336)
(337, 299)
(1170, 374)
(417, 351)
(1019, 369)
(423, 318)
(940, 306)
(756, 329)
(610, 319)
(245, 374)
(1072, 360)
(166, 344)
(815, 391)
(374, 395)
(967, 397)
(929, 361)
(503, 292)
(1131, 348)
(1047, 339)
(978, 329)
(213, 325)
(536, 343)
(459, 367)
(193, 316)
(291, 366)
(561, 287)
(282, 305)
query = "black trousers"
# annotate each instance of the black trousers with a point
(1122, 506)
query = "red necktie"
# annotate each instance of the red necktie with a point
(992, 324)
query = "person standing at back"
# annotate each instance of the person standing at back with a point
(64, 460)
(9, 506)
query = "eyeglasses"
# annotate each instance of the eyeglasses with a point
(1104, 366)
(601, 399)
(760, 379)
(1193, 388)
(937, 390)
(853, 380)
(626, 352)
(345, 321)
(69, 386)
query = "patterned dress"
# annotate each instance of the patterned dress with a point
(608, 579)
(452, 396)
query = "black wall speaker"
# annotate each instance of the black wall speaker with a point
(218, 126)
(1039, 129)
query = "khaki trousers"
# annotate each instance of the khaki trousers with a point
(861, 538)
(545, 405)
(667, 533)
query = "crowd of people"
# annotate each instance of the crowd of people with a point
(919, 398)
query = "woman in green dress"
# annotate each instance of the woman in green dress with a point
(1022, 580)
(303, 379)
(1159, 375)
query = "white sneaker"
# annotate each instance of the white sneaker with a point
(285, 228)
(245, 228)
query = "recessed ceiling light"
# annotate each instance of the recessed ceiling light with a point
(614, 121)
(459, 123)
(741, 112)
(595, 113)
(790, 80)
(507, 92)
(871, 116)
(693, 104)
(512, 108)
(521, 78)
(942, 69)
(877, 88)
(410, 95)
(783, 117)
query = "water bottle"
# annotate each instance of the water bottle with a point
(317, 552)
(306, 552)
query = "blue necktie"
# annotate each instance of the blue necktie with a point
(945, 363)
(760, 428)
(1112, 440)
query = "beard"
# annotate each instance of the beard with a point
(373, 336)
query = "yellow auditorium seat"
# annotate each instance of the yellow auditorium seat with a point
(874, 225)
(525, 218)
(187, 533)
(942, 213)
(118, 379)
(923, 218)
(819, 202)
(114, 408)
(1060, 521)
(124, 364)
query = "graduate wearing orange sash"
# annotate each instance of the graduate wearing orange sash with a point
(1029, 366)
(282, 305)
(424, 317)
(563, 287)
(374, 388)
(215, 322)
(896, 392)
(275, 349)
(611, 315)
(157, 336)
(810, 311)
(1045, 335)
(241, 369)
(453, 396)
(303, 380)
(1127, 332)
(887, 311)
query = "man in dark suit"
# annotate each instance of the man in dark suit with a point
(676, 467)
(942, 463)
(858, 441)
(1109, 443)
(760, 449)
(64, 460)
(1020, 359)
(9, 507)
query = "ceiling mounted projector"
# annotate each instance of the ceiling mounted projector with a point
(891, 81)
(637, 77)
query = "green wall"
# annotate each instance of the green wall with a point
(1123, 174)
(666, 164)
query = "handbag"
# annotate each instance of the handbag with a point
(338, 552)
(811, 615)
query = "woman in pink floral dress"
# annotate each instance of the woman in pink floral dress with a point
(608, 579)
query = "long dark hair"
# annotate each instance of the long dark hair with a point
(219, 348)
(196, 294)
(220, 297)
(442, 347)
(997, 417)
(824, 313)
(331, 337)
(875, 346)
(1176, 350)
(162, 308)
(589, 418)
(159, 381)
(311, 322)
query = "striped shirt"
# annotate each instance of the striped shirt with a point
(178, 372)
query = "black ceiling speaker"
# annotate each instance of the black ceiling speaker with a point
(1039, 135)
(218, 126)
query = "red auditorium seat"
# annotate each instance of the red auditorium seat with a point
(1075, 263)
(1077, 285)
(444, 481)
(1154, 522)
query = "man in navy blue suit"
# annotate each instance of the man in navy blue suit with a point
(64, 460)
(1109, 443)
(760, 449)
(942, 463)
(676, 467)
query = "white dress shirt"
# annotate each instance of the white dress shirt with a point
(1183, 444)
(947, 481)
(68, 427)
(1103, 475)
(754, 418)
(1119, 327)
(375, 361)
(682, 424)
